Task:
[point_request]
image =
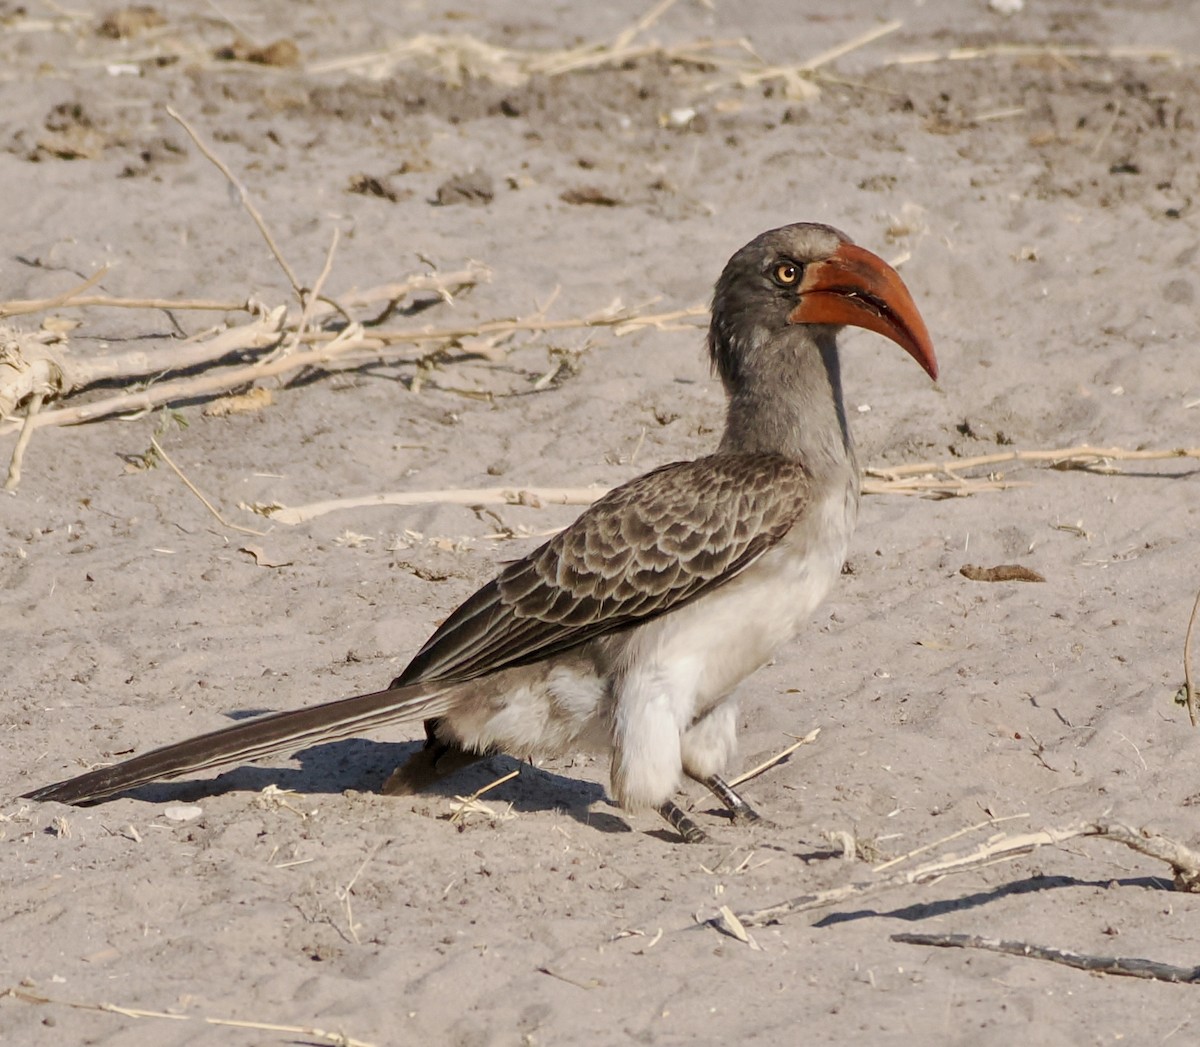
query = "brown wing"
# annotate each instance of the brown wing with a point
(643, 549)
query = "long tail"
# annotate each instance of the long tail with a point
(254, 740)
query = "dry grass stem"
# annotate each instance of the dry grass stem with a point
(627, 35)
(1184, 862)
(931, 487)
(729, 62)
(773, 761)
(196, 491)
(471, 805)
(797, 78)
(343, 893)
(337, 1038)
(853, 44)
(1057, 53)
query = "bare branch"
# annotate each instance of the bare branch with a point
(1130, 966)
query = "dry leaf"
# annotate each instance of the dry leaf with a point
(589, 194)
(261, 558)
(254, 400)
(130, 21)
(1005, 572)
(60, 324)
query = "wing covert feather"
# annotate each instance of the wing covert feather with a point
(644, 548)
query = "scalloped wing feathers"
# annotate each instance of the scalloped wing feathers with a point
(646, 547)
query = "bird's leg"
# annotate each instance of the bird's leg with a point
(723, 791)
(682, 823)
(708, 745)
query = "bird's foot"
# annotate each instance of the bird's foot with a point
(738, 808)
(682, 823)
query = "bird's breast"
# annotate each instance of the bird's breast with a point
(703, 650)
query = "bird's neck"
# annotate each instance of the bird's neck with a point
(789, 403)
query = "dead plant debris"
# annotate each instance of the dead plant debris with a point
(1005, 572)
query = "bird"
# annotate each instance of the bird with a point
(628, 632)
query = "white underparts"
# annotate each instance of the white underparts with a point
(665, 706)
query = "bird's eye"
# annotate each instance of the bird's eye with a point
(786, 274)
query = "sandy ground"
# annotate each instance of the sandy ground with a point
(1044, 206)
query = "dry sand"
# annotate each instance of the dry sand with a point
(1045, 208)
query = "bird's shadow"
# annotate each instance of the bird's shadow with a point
(362, 765)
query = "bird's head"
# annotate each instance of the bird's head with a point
(808, 274)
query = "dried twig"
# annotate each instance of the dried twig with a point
(925, 848)
(72, 374)
(932, 487)
(621, 320)
(35, 305)
(296, 337)
(75, 300)
(326, 348)
(897, 481)
(1082, 456)
(13, 480)
(1184, 861)
(204, 385)
(1127, 965)
(533, 496)
(1189, 689)
(243, 197)
(627, 35)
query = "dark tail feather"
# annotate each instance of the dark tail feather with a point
(253, 740)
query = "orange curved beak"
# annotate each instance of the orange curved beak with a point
(857, 288)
